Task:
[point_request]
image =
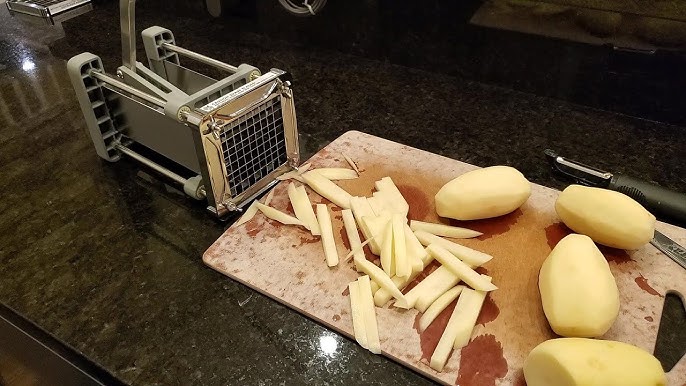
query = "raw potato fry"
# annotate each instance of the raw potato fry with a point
(429, 289)
(386, 201)
(375, 287)
(382, 296)
(438, 306)
(337, 173)
(248, 215)
(459, 268)
(402, 264)
(324, 219)
(468, 310)
(378, 205)
(444, 230)
(292, 175)
(327, 189)
(470, 256)
(361, 208)
(303, 208)
(375, 227)
(351, 163)
(398, 201)
(414, 249)
(356, 249)
(369, 313)
(304, 167)
(387, 259)
(353, 235)
(357, 314)
(454, 329)
(270, 196)
(380, 277)
(279, 216)
(390, 202)
(302, 192)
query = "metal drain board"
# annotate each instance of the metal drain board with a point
(254, 145)
(43, 8)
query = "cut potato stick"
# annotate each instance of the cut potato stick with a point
(380, 277)
(315, 225)
(438, 306)
(353, 235)
(270, 196)
(279, 216)
(327, 189)
(452, 330)
(468, 312)
(328, 242)
(303, 208)
(387, 260)
(459, 268)
(359, 248)
(351, 163)
(388, 201)
(361, 208)
(375, 287)
(375, 227)
(292, 175)
(470, 256)
(386, 184)
(444, 230)
(402, 264)
(248, 215)
(369, 314)
(337, 173)
(304, 167)
(429, 289)
(357, 314)
(378, 205)
(415, 250)
(382, 296)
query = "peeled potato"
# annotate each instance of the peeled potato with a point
(579, 293)
(483, 193)
(608, 217)
(590, 362)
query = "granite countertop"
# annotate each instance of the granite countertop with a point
(108, 259)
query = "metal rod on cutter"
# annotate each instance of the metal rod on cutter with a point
(127, 19)
(151, 164)
(199, 57)
(126, 88)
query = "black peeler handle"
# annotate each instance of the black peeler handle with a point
(660, 201)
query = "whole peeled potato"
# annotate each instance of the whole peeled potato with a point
(483, 193)
(608, 217)
(578, 292)
(591, 362)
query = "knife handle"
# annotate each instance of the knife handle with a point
(660, 201)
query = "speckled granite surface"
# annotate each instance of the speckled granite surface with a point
(108, 259)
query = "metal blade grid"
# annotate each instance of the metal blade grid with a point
(254, 145)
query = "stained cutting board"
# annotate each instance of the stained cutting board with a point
(287, 264)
